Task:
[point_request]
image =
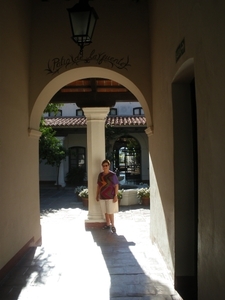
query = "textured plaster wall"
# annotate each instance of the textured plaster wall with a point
(119, 36)
(202, 26)
(19, 201)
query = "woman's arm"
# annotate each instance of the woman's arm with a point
(116, 192)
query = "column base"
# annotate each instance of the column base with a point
(92, 224)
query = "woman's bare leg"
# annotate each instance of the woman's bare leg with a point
(107, 218)
(111, 218)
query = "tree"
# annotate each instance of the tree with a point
(50, 148)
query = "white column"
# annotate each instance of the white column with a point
(95, 155)
(61, 180)
(62, 174)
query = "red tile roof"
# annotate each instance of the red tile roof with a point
(117, 121)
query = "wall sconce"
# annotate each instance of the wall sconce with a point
(82, 20)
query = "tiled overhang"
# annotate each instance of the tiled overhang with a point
(118, 121)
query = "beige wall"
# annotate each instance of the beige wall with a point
(202, 26)
(32, 35)
(19, 192)
(114, 36)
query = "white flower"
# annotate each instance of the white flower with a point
(84, 193)
(120, 194)
(143, 192)
(80, 188)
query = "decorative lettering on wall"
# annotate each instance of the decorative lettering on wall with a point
(58, 63)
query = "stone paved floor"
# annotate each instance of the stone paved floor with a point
(75, 264)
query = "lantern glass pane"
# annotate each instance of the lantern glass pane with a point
(79, 22)
(92, 24)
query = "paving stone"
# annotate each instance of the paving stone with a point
(73, 263)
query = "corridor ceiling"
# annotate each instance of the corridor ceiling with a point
(93, 92)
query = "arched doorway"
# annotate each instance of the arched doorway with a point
(76, 74)
(127, 159)
(95, 121)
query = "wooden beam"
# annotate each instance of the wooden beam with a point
(93, 97)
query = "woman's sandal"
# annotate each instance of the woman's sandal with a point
(106, 227)
(113, 229)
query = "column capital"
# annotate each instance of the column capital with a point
(149, 131)
(34, 133)
(96, 113)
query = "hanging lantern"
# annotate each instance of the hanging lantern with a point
(82, 20)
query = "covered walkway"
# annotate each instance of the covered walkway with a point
(73, 263)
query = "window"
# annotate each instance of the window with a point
(77, 166)
(113, 112)
(79, 112)
(53, 114)
(138, 111)
(77, 157)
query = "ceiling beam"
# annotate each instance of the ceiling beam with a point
(93, 98)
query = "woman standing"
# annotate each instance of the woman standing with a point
(107, 189)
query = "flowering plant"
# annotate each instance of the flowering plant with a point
(143, 192)
(80, 188)
(120, 194)
(84, 193)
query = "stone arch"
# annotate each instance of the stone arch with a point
(76, 74)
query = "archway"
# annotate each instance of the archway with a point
(185, 180)
(76, 74)
(127, 159)
(95, 121)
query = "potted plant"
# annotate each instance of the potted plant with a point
(78, 189)
(84, 196)
(143, 195)
(120, 195)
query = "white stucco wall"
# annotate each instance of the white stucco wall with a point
(202, 26)
(19, 191)
(48, 173)
(123, 109)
